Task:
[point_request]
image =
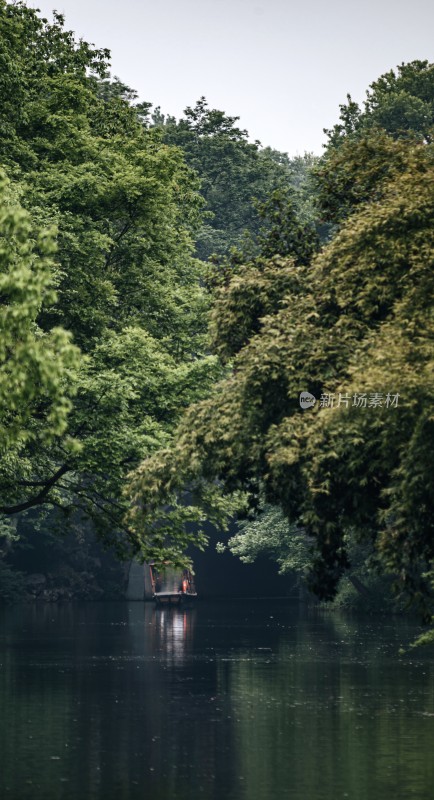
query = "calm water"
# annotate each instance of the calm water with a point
(246, 700)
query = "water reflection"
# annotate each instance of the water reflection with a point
(341, 717)
(166, 631)
(241, 701)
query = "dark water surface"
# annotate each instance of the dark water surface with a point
(241, 700)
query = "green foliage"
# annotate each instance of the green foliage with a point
(236, 175)
(252, 294)
(106, 215)
(100, 215)
(36, 366)
(369, 146)
(286, 234)
(358, 320)
(270, 534)
(358, 172)
(401, 103)
(61, 563)
(12, 584)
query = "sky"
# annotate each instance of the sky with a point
(282, 66)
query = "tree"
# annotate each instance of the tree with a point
(365, 145)
(37, 368)
(401, 103)
(355, 326)
(236, 175)
(128, 290)
(268, 533)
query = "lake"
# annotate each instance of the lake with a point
(229, 700)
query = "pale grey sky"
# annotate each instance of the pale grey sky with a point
(282, 66)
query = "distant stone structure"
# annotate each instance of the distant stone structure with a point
(139, 582)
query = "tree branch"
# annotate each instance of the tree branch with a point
(39, 498)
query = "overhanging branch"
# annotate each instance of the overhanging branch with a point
(39, 498)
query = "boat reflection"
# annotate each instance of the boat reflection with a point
(163, 633)
(174, 632)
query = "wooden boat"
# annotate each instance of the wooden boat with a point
(172, 586)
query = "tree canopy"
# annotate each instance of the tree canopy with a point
(400, 102)
(320, 285)
(354, 328)
(36, 366)
(364, 147)
(120, 208)
(236, 175)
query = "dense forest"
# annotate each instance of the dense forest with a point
(169, 289)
